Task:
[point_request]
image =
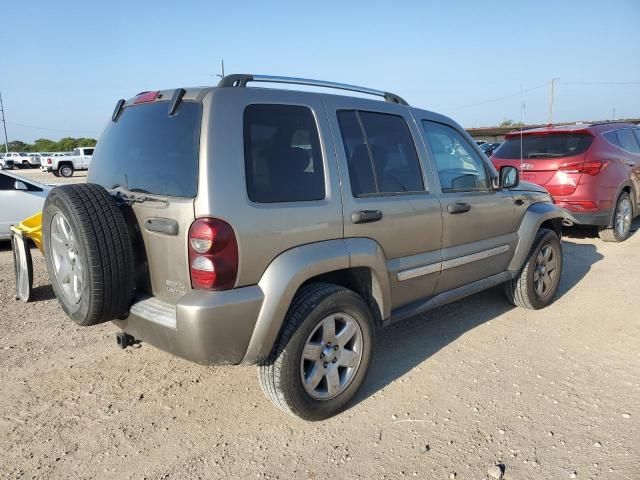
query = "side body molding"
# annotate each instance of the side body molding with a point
(291, 269)
(534, 217)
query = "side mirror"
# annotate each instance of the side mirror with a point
(19, 185)
(509, 177)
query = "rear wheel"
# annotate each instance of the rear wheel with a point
(66, 170)
(323, 353)
(622, 217)
(537, 283)
(55, 173)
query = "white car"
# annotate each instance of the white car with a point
(20, 198)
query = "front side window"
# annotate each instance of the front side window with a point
(381, 155)
(6, 182)
(627, 141)
(460, 168)
(283, 158)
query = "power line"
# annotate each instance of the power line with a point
(599, 83)
(53, 129)
(519, 92)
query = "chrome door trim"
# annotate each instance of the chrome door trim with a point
(418, 271)
(474, 257)
(455, 262)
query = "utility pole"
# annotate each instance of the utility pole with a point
(4, 124)
(551, 88)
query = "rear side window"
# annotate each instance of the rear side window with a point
(611, 137)
(545, 146)
(149, 151)
(627, 141)
(283, 158)
(381, 155)
(88, 151)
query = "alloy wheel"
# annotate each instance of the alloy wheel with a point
(623, 216)
(331, 357)
(65, 259)
(545, 271)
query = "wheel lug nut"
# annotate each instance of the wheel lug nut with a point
(322, 355)
(334, 360)
(335, 347)
(325, 364)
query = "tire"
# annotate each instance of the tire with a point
(66, 171)
(281, 374)
(55, 173)
(622, 217)
(88, 253)
(524, 290)
(23, 267)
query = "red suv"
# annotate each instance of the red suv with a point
(593, 171)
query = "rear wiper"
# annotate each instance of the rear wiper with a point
(135, 195)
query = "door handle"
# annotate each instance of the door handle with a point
(458, 207)
(366, 216)
(629, 163)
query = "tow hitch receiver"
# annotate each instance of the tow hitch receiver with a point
(124, 340)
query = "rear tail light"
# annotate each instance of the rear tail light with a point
(592, 168)
(213, 255)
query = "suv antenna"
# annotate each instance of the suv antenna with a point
(523, 106)
(4, 124)
(221, 75)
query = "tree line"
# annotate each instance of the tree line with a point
(65, 144)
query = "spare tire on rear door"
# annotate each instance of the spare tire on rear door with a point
(88, 253)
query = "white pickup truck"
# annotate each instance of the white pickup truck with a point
(62, 165)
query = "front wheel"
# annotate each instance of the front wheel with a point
(323, 353)
(537, 282)
(621, 228)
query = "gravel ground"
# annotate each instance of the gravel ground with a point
(473, 390)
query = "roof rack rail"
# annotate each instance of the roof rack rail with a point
(241, 80)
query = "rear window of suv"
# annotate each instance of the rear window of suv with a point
(147, 150)
(545, 146)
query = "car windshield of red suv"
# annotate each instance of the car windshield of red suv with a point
(545, 146)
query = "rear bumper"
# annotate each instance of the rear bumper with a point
(601, 219)
(46, 168)
(210, 328)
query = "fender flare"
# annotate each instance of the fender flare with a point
(535, 215)
(292, 268)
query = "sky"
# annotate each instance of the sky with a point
(64, 64)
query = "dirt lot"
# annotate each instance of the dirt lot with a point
(551, 394)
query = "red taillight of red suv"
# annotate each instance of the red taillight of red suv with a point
(592, 168)
(213, 255)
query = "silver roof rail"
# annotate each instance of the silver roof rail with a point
(241, 80)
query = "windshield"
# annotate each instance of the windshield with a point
(148, 151)
(545, 146)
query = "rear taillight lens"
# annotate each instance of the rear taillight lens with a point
(592, 168)
(213, 255)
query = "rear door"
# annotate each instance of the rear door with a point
(386, 193)
(150, 152)
(629, 141)
(479, 237)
